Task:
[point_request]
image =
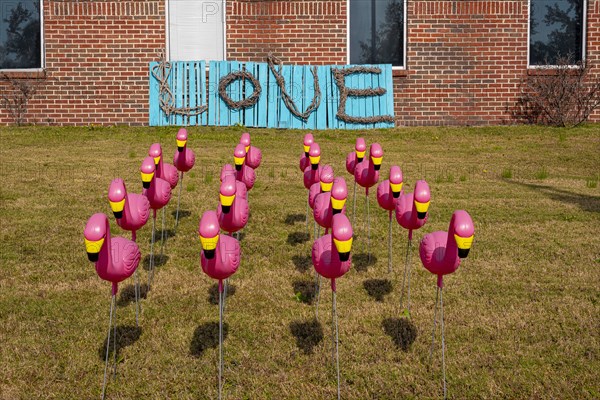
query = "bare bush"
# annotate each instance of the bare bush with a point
(561, 95)
(16, 98)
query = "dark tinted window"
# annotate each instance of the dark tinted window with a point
(556, 30)
(20, 35)
(377, 32)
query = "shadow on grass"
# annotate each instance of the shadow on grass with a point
(378, 288)
(206, 336)
(583, 201)
(291, 219)
(402, 331)
(159, 261)
(295, 238)
(213, 293)
(308, 334)
(182, 213)
(128, 294)
(305, 290)
(302, 263)
(169, 233)
(126, 336)
(361, 261)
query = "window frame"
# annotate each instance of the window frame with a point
(404, 39)
(42, 66)
(553, 66)
(168, 36)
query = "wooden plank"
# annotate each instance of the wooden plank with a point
(213, 101)
(192, 68)
(249, 114)
(378, 101)
(390, 92)
(153, 103)
(179, 89)
(223, 109)
(272, 100)
(261, 108)
(321, 112)
(285, 116)
(309, 92)
(335, 95)
(201, 91)
(297, 94)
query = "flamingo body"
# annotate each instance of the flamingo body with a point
(390, 189)
(135, 210)
(164, 170)
(220, 256)
(326, 181)
(241, 189)
(234, 216)
(158, 191)
(253, 154)
(184, 158)
(328, 204)
(407, 214)
(356, 156)
(243, 172)
(366, 172)
(312, 173)
(333, 260)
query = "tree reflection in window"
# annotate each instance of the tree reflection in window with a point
(556, 31)
(20, 36)
(377, 32)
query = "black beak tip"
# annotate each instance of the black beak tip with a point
(463, 253)
(306, 154)
(421, 215)
(238, 167)
(396, 194)
(146, 185)
(225, 209)
(314, 167)
(359, 159)
(118, 214)
(93, 257)
(209, 254)
(344, 256)
(336, 211)
(179, 149)
(376, 167)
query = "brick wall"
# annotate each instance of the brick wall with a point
(464, 58)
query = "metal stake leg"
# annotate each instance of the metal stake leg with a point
(162, 234)
(112, 303)
(337, 354)
(437, 292)
(354, 205)
(318, 294)
(220, 341)
(151, 269)
(390, 245)
(406, 272)
(137, 298)
(443, 340)
(368, 230)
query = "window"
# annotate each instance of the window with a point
(196, 30)
(377, 32)
(556, 30)
(20, 34)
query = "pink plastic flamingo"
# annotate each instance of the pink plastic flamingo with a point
(332, 259)
(233, 210)
(228, 170)
(411, 214)
(253, 154)
(366, 174)
(165, 171)
(131, 212)
(158, 192)
(312, 173)
(354, 157)
(219, 259)
(183, 159)
(304, 159)
(115, 260)
(441, 253)
(388, 192)
(244, 172)
(324, 185)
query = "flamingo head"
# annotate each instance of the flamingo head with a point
(239, 156)
(422, 198)
(209, 233)
(245, 140)
(376, 154)
(341, 230)
(116, 197)
(147, 171)
(94, 235)
(308, 140)
(464, 232)
(360, 148)
(326, 178)
(227, 193)
(155, 152)
(226, 171)
(339, 194)
(314, 154)
(396, 181)
(182, 137)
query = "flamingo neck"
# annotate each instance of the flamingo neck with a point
(451, 249)
(106, 253)
(127, 213)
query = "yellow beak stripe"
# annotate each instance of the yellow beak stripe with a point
(209, 243)
(93, 246)
(247, 148)
(117, 206)
(396, 187)
(239, 160)
(147, 177)
(377, 160)
(464, 243)
(306, 148)
(226, 200)
(315, 160)
(156, 160)
(180, 143)
(343, 246)
(422, 207)
(360, 154)
(337, 204)
(326, 187)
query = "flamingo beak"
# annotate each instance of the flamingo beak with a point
(464, 245)
(239, 161)
(156, 160)
(146, 179)
(314, 161)
(360, 155)
(396, 189)
(209, 246)
(92, 247)
(306, 150)
(343, 248)
(326, 187)
(421, 209)
(247, 148)
(376, 162)
(117, 208)
(226, 202)
(337, 205)
(180, 145)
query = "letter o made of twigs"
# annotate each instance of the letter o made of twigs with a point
(244, 103)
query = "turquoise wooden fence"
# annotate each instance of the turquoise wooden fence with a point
(190, 88)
